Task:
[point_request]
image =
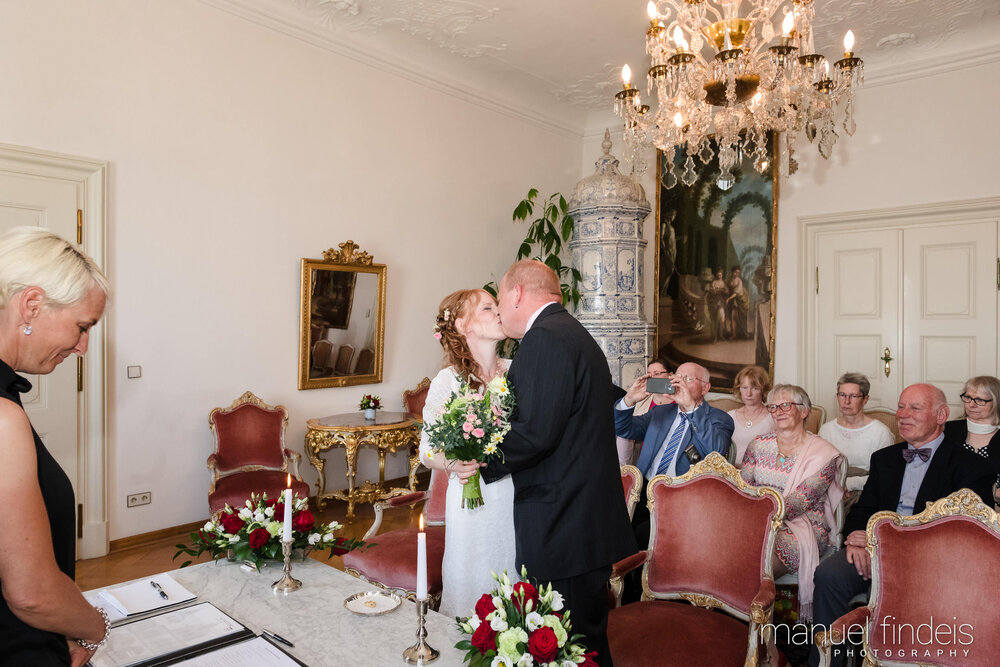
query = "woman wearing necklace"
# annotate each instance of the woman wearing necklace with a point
(979, 432)
(751, 386)
(805, 469)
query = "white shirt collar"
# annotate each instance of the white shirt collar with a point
(534, 317)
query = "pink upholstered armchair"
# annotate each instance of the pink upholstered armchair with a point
(250, 454)
(711, 539)
(413, 402)
(935, 578)
(391, 562)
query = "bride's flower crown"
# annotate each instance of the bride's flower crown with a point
(442, 322)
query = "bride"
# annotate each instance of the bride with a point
(482, 539)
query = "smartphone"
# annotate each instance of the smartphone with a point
(660, 386)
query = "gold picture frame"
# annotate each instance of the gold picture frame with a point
(342, 319)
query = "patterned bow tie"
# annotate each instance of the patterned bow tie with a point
(924, 453)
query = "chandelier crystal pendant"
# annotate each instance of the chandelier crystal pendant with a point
(753, 80)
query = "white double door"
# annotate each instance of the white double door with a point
(66, 409)
(905, 301)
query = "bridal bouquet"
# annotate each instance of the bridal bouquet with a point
(253, 532)
(471, 426)
(520, 626)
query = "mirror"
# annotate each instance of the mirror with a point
(342, 329)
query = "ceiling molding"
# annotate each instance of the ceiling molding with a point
(317, 36)
(939, 64)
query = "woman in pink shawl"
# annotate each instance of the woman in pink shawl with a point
(805, 469)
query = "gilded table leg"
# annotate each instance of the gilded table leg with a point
(351, 454)
(313, 449)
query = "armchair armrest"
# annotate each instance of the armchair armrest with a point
(762, 604)
(618, 571)
(409, 499)
(213, 471)
(293, 459)
(838, 632)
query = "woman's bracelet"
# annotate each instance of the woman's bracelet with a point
(107, 633)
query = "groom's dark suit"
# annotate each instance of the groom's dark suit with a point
(570, 519)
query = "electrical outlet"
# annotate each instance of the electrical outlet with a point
(137, 499)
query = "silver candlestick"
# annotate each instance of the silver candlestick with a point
(287, 583)
(421, 653)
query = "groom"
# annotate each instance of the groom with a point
(570, 519)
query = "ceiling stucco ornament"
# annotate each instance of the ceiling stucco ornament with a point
(445, 23)
(591, 91)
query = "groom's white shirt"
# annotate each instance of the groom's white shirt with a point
(534, 317)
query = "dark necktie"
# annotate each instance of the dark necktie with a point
(924, 453)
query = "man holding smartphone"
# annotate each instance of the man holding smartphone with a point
(674, 436)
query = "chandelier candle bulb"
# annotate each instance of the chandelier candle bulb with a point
(421, 561)
(286, 534)
(651, 12)
(626, 77)
(849, 44)
(682, 45)
(788, 25)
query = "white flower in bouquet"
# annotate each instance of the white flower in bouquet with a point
(501, 661)
(473, 624)
(274, 527)
(269, 512)
(328, 537)
(259, 517)
(554, 599)
(245, 513)
(233, 539)
(498, 623)
(534, 620)
(209, 527)
(507, 642)
(314, 538)
(527, 661)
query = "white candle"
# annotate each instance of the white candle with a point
(421, 562)
(286, 534)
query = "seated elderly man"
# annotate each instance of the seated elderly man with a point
(627, 449)
(901, 478)
(673, 436)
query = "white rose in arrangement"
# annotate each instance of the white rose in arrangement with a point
(273, 527)
(555, 600)
(527, 661)
(497, 602)
(234, 539)
(259, 517)
(534, 621)
(314, 538)
(245, 513)
(209, 527)
(474, 623)
(498, 624)
(568, 663)
(501, 661)
(507, 644)
(269, 512)
(328, 537)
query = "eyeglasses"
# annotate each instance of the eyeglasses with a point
(973, 399)
(850, 397)
(784, 407)
(687, 379)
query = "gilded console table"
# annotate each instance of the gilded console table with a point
(390, 431)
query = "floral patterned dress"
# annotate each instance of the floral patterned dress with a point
(762, 466)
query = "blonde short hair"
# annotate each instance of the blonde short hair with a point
(35, 257)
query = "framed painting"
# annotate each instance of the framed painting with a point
(715, 268)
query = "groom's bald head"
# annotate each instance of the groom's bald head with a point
(525, 287)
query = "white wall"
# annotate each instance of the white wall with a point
(235, 151)
(918, 141)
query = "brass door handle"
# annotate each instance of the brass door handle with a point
(886, 358)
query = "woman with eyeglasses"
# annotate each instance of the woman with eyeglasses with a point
(979, 432)
(804, 468)
(854, 433)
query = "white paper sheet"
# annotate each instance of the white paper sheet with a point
(257, 652)
(163, 634)
(142, 596)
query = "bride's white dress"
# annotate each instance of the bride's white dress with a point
(476, 540)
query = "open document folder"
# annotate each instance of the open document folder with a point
(169, 637)
(139, 597)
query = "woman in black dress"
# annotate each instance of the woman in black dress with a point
(979, 431)
(51, 294)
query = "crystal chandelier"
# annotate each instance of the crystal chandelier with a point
(720, 70)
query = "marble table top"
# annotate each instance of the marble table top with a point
(314, 618)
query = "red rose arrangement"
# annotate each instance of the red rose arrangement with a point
(518, 620)
(253, 532)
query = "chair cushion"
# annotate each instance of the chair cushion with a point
(437, 493)
(658, 632)
(248, 435)
(235, 489)
(392, 559)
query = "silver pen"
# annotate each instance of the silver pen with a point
(278, 638)
(163, 593)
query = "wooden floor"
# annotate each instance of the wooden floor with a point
(155, 557)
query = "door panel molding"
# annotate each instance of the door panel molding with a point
(90, 178)
(902, 218)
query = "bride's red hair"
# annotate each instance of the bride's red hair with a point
(457, 305)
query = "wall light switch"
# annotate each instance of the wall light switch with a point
(134, 372)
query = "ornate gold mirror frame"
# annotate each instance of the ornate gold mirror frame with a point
(342, 326)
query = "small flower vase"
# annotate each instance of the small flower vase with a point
(370, 414)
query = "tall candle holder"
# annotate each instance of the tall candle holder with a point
(421, 653)
(287, 583)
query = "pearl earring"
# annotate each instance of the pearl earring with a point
(27, 329)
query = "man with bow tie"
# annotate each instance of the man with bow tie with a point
(903, 478)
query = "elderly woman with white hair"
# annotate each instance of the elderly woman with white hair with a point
(805, 469)
(979, 430)
(51, 294)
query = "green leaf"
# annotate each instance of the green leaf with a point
(185, 563)
(532, 193)
(562, 205)
(521, 211)
(567, 229)
(464, 645)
